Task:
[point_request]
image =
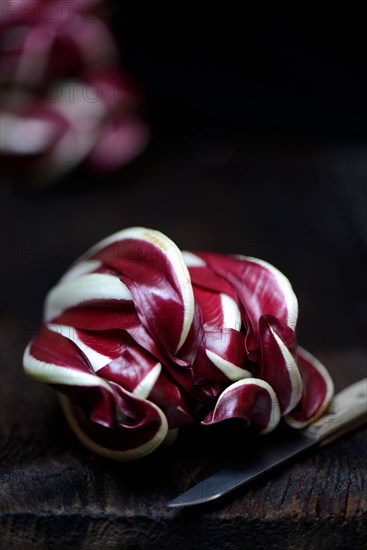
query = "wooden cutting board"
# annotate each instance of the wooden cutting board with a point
(55, 494)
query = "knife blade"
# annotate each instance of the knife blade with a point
(347, 411)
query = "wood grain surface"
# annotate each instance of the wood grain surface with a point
(55, 494)
(281, 203)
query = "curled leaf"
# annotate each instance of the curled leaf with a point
(140, 339)
(318, 390)
(251, 400)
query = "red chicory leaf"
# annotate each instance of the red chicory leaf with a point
(140, 344)
(278, 363)
(152, 268)
(251, 400)
(105, 417)
(318, 390)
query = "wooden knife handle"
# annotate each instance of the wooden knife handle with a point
(347, 411)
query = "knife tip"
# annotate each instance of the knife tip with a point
(174, 504)
(181, 503)
(178, 503)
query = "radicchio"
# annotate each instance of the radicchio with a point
(66, 101)
(140, 339)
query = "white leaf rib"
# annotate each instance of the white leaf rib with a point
(231, 371)
(293, 372)
(191, 260)
(124, 456)
(328, 396)
(274, 416)
(285, 285)
(97, 360)
(231, 313)
(50, 373)
(145, 386)
(173, 254)
(82, 267)
(93, 286)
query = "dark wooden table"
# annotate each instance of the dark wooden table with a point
(297, 205)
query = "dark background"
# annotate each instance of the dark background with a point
(258, 146)
(256, 69)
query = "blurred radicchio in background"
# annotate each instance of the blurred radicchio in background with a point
(64, 98)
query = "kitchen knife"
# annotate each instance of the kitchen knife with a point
(347, 411)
